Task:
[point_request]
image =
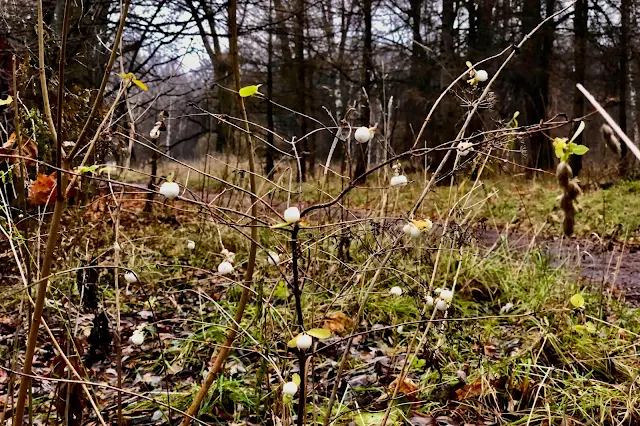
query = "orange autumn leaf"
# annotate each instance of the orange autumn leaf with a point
(407, 387)
(42, 190)
(470, 390)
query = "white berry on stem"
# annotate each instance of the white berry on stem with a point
(225, 267)
(169, 189)
(362, 134)
(130, 277)
(290, 388)
(137, 338)
(292, 215)
(304, 341)
(399, 180)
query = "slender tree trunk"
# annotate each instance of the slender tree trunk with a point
(367, 67)
(624, 80)
(300, 84)
(536, 80)
(580, 22)
(269, 160)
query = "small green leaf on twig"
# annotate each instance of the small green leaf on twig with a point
(247, 91)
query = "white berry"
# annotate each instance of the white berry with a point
(429, 301)
(290, 388)
(441, 305)
(137, 338)
(399, 180)
(362, 134)
(464, 148)
(225, 267)
(273, 258)
(116, 246)
(482, 75)
(411, 230)
(191, 245)
(169, 190)
(292, 215)
(130, 277)
(304, 341)
(396, 291)
(446, 295)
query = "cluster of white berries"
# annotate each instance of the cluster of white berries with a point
(169, 189)
(398, 178)
(226, 266)
(443, 299)
(411, 230)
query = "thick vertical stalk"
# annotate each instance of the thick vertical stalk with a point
(225, 349)
(52, 239)
(22, 198)
(25, 381)
(302, 355)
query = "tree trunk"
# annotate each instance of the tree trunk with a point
(580, 25)
(300, 85)
(536, 81)
(623, 166)
(269, 167)
(367, 67)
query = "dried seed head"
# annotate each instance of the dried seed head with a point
(610, 139)
(564, 174)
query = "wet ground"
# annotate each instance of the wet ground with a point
(606, 264)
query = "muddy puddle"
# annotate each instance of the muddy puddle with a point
(602, 263)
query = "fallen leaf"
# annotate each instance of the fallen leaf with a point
(336, 322)
(28, 150)
(407, 387)
(469, 391)
(490, 351)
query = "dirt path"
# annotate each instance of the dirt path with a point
(607, 263)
